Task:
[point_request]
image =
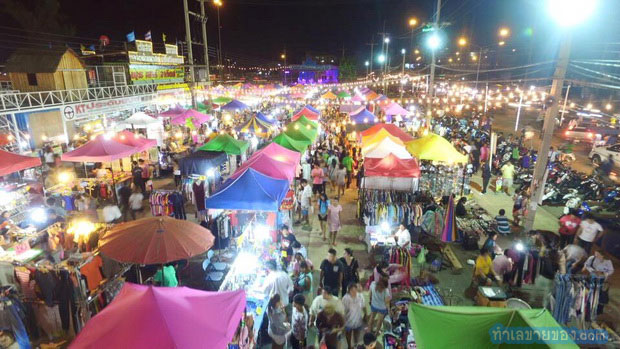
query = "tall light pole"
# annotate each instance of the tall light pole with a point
(218, 4)
(433, 42)
(387, 55)
(190, 55)
(403, 52)
(203, 21)
(283, 56)
(413, 22)
(367, 64)
(566, 13)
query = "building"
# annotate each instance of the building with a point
(309, 72)
(46, 70)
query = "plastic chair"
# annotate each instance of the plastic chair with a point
(218, 266)
(212, 274)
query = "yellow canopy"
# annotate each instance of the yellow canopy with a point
(329, 95)
(436, 148)
(370, 141)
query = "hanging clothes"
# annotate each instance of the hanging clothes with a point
(199, 195)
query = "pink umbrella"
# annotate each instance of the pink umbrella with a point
(100, 149)
(279, 153)
(394, 109)
(268, 166)
(164, 317)
(134, 140)
(196, 116)
(173, 112)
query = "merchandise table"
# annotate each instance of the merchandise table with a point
(376, 236)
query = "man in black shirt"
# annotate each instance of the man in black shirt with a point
(123, 196)
(286, 239)
(332, 272)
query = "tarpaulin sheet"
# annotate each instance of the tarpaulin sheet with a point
(100, 149)
(10, 162)
(436, 148)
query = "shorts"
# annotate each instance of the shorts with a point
(377, 310)
(304, 211)
(317, 188)
(323, 218)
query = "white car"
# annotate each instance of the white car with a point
(599, 155)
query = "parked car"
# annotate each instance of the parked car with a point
(580, 134)
(599, 155)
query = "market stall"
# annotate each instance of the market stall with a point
(140, 120)
(390, 128)
(232, 147)
(308, 113)
(288, 142)
(256, 127)
(363, 116)
(390, 173)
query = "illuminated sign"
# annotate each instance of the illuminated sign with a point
(144, 46)
(172, 50)
(154, 58)
(82, 110)
(148, 74)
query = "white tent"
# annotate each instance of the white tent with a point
(141, 120)
(385, 147)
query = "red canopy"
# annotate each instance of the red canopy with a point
(100, 149)
(309, 114)
(391, 128)
(280, 153)
(268, 166)
(391, 166)
(134, 140)
(10, 162)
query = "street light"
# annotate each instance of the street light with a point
(502, 43)
(566, 13)
(386, 40)
(381, 58)
(462, 41)
(218, 4)
(367, 64)
(413, 22)
(433, 42)
(504, 32)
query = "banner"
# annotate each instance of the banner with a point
(148, 74)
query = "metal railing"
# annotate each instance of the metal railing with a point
(15, 102)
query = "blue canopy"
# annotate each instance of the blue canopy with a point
(251, 191)
(262, 117)
(308, 106)
(234, 105)
(199, 162)
(364, 117)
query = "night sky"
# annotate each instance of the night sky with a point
(257, 31)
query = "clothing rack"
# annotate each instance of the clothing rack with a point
(376, 206)
(167, 203)
(576, 295)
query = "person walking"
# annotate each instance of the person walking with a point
(306, 201)
(332, 272)
(135, 202)
(303, 281)
(486, 175)
(332, 168)
(569, 223)
(508, 173)
(323, 208)
(347, 161)
(354, 314)
(123, 198)
(278, 328)
(379, 304)
(333, 217)
(341, 177)
(317, 179)
(588, 232)
(278, 282)
(136, 172)
(299, 322)
(351, 270)
(330, 324)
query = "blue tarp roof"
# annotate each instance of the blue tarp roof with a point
(251, 191)
(308, 106)
(364, 117)
(262, 117)
(234, 105)
(199, 162)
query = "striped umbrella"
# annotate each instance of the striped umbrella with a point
(449, 223)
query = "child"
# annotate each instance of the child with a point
(503, 226)
(299, 322)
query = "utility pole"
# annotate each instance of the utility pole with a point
(478, 70)
(190, 56)
(431, 89)
(203, 20)
(372, 46)
(538, 183)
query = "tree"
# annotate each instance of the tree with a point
(38, 16)
(347, 69)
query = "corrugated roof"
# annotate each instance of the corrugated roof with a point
(26, 60)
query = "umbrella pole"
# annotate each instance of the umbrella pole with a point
(114, 185)
(139, 273)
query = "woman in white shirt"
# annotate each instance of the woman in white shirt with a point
(402, 236)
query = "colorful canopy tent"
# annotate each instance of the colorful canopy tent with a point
(264, 118)
(436, 148)
(448, 233)
(394, 109)
(372, 95)
(268, 166)
(309, 114)
(198, 118)
(363, 117)
(227, 144)
(378, 137)
(384, 148)
(391, 166)
(279, 153)
(301, 131)
(329, 95)
(10, 162)
(141, 120)
(343, 94)
(134, 140)
(358, 98)
(391, 128)
(199, 162)
(251, 190)
(221, 100)
(312, 109)
(145, 317)
(173, 112)
(234, 105)
(288, 142)
(476, 327)
(351, 109)
(306, 122)
(255, 126)
(155, 240)
(100, 149)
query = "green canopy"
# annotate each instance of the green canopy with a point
(473, 327)
(301, 131)
(227, 144)
(222, 100)
(291, 143)
(305, 121)
(343, 94)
